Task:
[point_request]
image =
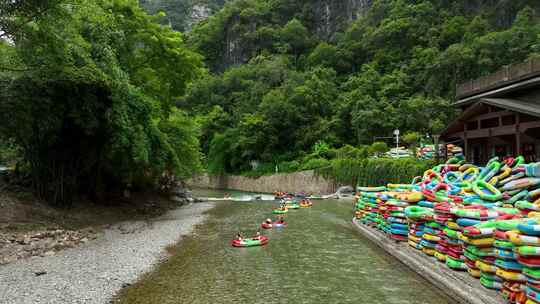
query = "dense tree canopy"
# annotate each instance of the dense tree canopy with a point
(397, 67)
(88, 94)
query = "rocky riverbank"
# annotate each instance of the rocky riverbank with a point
(95, 271)
(16, 246)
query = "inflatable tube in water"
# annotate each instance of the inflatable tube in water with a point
(279, 225)
(250, 242)
(475, 273)
(508, 264)
(293, 206)
(280, 211)
(486, 191)
(266, 226)
(515, 276)
(521, 240)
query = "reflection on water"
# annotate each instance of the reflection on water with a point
(318, 258)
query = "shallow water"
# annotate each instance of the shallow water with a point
(318, 258)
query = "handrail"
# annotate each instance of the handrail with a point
(506, 75)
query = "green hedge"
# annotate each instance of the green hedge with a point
(375, 171)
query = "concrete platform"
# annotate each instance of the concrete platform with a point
(460, 286)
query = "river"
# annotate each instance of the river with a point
(318, 258)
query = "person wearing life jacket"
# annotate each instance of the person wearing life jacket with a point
(239, 236)
(257, 236)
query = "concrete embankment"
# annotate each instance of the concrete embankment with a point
(307, 181)
(458, 285)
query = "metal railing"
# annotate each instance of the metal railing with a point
(506, 75)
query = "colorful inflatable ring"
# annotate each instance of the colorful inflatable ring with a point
(280, 211)
(521, 240)
(482, 229)
(478, 242)
(508, 264)
(475, 273)
(490, 170)
(455, 264)
(512, 178)
(414, 245)
(428, 251)
(418, 213)
(503, 244)
(486, 191)
(441, 257)
(528, 251)
(490, 284)
(521, 183)
(531, 228)
(511, 275)
(476, 214)
(533, 273)
(532, 294)
(371, 189)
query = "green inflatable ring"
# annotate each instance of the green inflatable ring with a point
(493, 193)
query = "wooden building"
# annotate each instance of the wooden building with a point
(500, 114)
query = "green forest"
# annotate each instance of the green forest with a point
(98, 95)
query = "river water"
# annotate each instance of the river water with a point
(318, 258)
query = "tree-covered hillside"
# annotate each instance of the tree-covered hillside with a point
(396, 66)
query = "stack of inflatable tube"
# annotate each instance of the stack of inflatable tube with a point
(527, 251)
(481, 219)
(505, 252)
(417, 217)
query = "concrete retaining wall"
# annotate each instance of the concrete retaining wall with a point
(459, 285)
(307, 181)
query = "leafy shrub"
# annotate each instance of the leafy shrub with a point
(315, 163)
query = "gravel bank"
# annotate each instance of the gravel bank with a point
(95, 272)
